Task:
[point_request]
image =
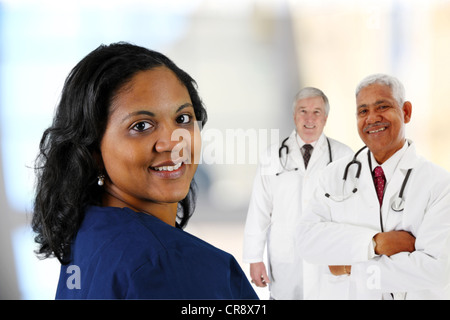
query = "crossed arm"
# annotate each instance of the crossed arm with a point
(386, 243)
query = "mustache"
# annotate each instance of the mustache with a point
(376, 124)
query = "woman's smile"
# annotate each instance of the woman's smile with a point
(168, 171)
(167, 167)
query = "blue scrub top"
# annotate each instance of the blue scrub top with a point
(122, 254)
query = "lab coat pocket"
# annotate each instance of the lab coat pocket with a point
(344, 212)
(334, 287)
(281, 244)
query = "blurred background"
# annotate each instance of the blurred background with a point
(249, 58)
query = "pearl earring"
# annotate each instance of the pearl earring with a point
(101, 179)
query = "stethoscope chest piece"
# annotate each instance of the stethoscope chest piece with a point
(398, 204)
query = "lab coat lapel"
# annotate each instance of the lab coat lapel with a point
(368, 206)
(295, 156)
(392, 219)
(409, 160)
(320, 148)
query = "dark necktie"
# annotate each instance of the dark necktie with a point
(379, 183)
(307, 153)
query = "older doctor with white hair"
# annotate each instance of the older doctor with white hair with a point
(379, 224)
(282, 188)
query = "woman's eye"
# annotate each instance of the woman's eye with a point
(184, 118)
(141, 126)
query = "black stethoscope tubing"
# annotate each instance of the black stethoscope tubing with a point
(284, 146)
(356, 162)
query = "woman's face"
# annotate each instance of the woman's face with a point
(151, 145)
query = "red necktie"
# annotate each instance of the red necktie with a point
(379, 183)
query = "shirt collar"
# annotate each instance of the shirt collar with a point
(390, 164)
(301, 143)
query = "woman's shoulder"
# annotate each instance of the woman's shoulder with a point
(143, 257)
(124, 226)
(135, 234)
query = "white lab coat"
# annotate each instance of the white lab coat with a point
(275, 208)
(340, 233)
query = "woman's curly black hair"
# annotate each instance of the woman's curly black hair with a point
(66, 167)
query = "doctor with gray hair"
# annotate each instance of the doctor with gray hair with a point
(282, 188)
(379, 222)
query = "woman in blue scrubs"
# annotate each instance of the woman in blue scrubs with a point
(115, 184)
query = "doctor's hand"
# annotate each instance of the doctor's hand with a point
(258, 274)
(340, 270)
(392, 242)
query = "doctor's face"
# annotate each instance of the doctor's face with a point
(310, 118)
(145, 160)
(381, 121)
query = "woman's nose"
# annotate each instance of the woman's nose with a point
(165, 141)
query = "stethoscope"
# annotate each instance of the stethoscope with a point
(397, 205)
(285, 147)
